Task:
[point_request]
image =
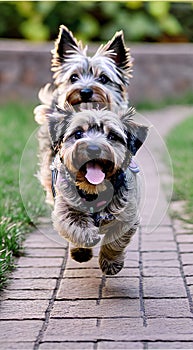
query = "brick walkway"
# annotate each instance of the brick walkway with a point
(52, 302)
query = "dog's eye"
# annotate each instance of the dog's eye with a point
(74, 78)
(78, 134)
(112, 136)
(103, 79)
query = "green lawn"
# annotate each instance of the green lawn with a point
(185, 99)
(18, 162)
(180, 146)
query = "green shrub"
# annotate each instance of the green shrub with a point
(155, 21)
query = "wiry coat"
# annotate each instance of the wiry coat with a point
(78, 215)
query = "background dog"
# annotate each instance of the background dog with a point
(77, 79)
(96, 192)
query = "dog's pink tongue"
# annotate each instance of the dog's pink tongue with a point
(94, 174)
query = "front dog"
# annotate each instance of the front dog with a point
(96, 192)
(77, 79)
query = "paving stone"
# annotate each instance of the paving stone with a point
(39, 262)
(79, 273)
(161, 263)
(191, 290)
(187, 258)
(164, 246)
(157, 329)
(23, 309)
(16, 345)
(158, 237)
(169, 329)
(90, 308)
(188, 270)
(130, 255)
(189, 280)
(121, 287)
(151, 256)
(119, 345)
(170, 345)
(28, 284)
(26, 294)
(19, 331)
(185, 238)
(124, 328)
(71, 330)
(167, 308)
(128, 272)
(39, 272)
(46, 252)
(163, 287)
(67, 345)
(163, 230)
(80, 288)
(161, 271)
(131, 259)
(42, 243)
(186, 247)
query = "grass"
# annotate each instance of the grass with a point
(186, 99)
(17, 210)
(180, 146)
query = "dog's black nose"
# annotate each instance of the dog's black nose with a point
(93, 151)
(86, 94)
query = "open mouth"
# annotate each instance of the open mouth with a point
(94, 173)
(96, 170)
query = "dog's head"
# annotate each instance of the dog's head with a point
(95, 144)
(79, 78)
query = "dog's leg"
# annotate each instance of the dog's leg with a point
(75, 226)
(45, 160)
(111, 256)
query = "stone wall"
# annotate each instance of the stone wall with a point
(160, 70)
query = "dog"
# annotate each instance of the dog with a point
(78, 78)
(95, 190)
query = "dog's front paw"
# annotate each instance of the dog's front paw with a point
(110, 267)
(89, 237)
(91, 242)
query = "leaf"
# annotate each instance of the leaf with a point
(88, 28)
(158, 9)
(134, 5)
(33, 29)
(171, 25)
(45, 7)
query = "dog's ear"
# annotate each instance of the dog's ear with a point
(136, 133)
(119, 52)
(57, 124)
(65, 45)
